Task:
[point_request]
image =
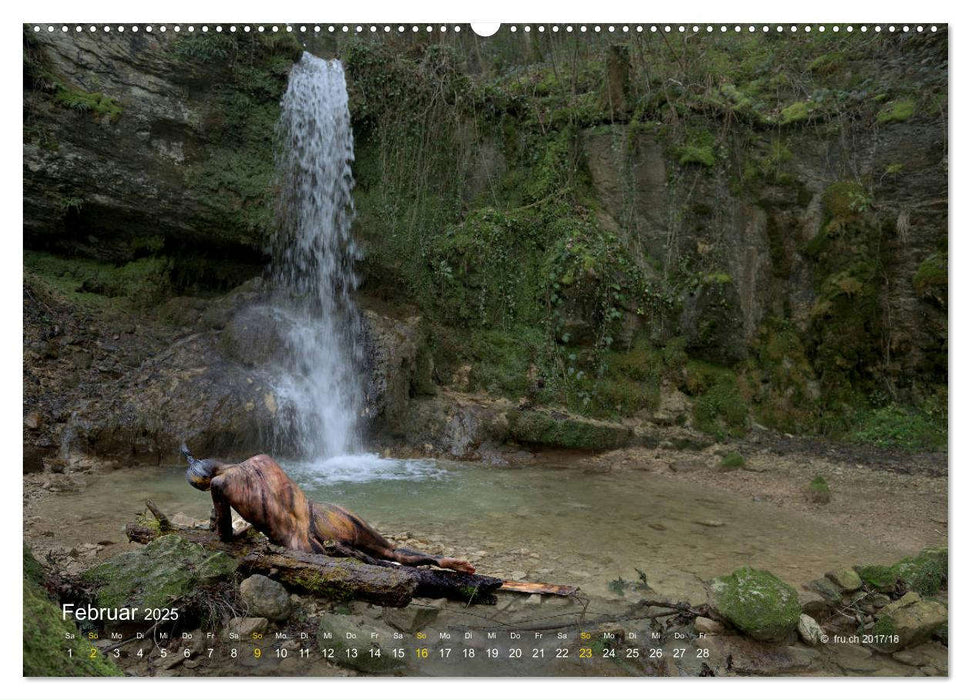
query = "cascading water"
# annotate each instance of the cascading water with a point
(320, 391)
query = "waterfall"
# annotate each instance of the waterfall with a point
(320, 390)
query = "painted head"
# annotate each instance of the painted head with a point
(200, 473)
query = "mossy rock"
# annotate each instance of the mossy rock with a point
(897, 111)
(844, 199)
(731, 462)
(721, 410)
(33, 571)
(560, 430)
(697, 155)
(167, 569)
(926, 573)
(847, 579)
(47, 636)
(94, 102)
(829, 591)
(876, 577)
(819, 490)
(908, 622)
(796, 112)
(756, 602)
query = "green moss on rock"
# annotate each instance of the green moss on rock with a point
(47, 636)
(94, 102)
(562, 430)
(167, 569)
(844, 199)
(908, 621)
(700, 155)
(95, 283)
(847, 579)
(796, 112)
(699, 148)
(819, 490)
(756, 602)
(902, 428)
(786, 395)
(721, 410)
(33, 571)
(877, 577)
(827, 63)
(897, 111)
(731, 461)
(926, 573)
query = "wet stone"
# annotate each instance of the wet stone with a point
(265, 597)
(350, 638)
(847, 580)
(246, 627)
(705, 625)
(812, 603)
(809, 630)
(828, 590)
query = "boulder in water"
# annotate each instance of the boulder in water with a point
(756, 602)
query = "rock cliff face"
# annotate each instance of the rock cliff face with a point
(760, 239)
(759, 230)
(139, 144)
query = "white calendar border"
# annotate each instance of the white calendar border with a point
(548, 11)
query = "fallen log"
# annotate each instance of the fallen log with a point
(341, 573)
(393, 585)
(337, 579)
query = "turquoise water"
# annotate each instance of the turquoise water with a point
(559, 525)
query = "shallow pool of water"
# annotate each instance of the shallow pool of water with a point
(547, 524)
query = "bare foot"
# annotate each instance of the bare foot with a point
(456, 565)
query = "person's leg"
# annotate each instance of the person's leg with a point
(410, 557)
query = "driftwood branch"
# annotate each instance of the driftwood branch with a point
(163, 521)
(531, 587)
